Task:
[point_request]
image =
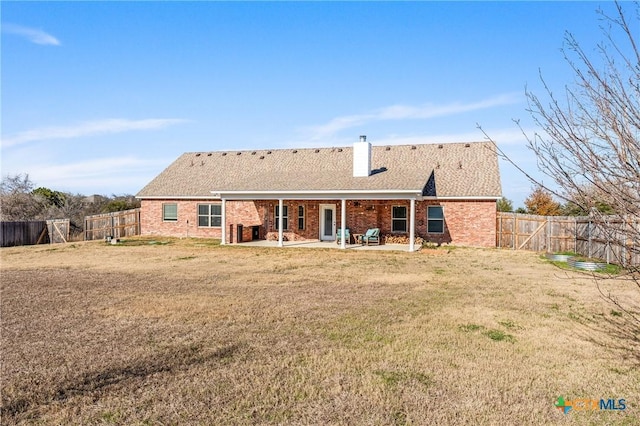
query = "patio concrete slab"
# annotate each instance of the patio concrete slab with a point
(324, 244)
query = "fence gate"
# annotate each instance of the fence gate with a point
(120, 224)
(58, 230)
(537, 233)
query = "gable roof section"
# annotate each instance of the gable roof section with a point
(464, 170)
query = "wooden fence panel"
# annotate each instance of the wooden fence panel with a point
(609, 238)
(120, 224)
(24, 233)
(536, 233)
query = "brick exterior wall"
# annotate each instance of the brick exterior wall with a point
(468, 223)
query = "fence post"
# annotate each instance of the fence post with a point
(589, 238)
(514, 230)
(575, 235)
(500, 231)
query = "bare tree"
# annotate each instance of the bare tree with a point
(16, 200)
(589, 140)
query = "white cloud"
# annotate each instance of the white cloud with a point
(107, 175)
(89, 128)
(407, 112)
(33, 35)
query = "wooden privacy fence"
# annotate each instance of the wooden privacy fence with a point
(34, 232)
(609, 237)
(120, 224)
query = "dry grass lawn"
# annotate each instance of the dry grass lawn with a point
(188, 332)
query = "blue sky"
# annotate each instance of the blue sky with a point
(99, 97)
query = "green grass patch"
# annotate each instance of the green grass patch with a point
(510, 325)
(499, 336)
(110, 417)
(468, 328)
(394, 378)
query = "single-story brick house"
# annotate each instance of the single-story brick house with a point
(445, 193)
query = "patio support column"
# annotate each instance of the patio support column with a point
(412, 225)
(343, 223)
(280, 222)
(223, 222)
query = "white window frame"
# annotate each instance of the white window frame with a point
(301, 208)
(209, 215)
(285, 218)
(437, 219)
(394, 219)
(165, 216)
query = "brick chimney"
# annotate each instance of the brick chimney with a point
(362, 158)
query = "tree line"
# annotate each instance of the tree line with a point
(542, 202)
(21, 200)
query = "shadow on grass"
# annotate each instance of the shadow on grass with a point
(618, 334)
(619, 329)
(165, 362)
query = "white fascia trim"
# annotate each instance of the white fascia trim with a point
(178, 197)
(474, 198)
(395, 194)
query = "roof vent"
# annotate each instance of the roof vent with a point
(317, 151)
(440, 146)
(413, 147)
(459, 164)
(262, 157)
(467, 145)
(198, 155)
(295, 151)
(238, 153)
(209, 155)
(268, 152)
(253, 153)
(224, 153)
(388, 148)
(339, 149)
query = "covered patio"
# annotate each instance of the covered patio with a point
(330, 231)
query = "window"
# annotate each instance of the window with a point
(285, 217)
(170, 212)
(399, 219)
(300, 218)
(435, 219)
(209, 215)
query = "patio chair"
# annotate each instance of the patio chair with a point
(346, 234)
(371, 237)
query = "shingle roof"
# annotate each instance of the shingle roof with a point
(442, 170)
